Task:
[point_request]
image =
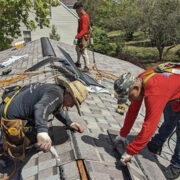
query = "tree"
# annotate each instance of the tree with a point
(120, 15)
(129, 17)
(162, 23)
(14, 12)
(92, 8)
(107, 14)
(53, 34)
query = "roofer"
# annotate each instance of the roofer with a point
(36, 102)
(82, 37)
(161, 93)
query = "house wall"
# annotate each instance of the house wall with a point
(66, 25)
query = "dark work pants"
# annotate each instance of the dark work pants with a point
(171, 121)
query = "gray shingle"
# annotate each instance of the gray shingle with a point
(98, 115)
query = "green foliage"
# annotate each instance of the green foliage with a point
(111, 15)
(107, 14)
(162, 23)
(53, 34)
(120, 44)
(92, 8)
(178, 53)
(101, 41)
(129, 17)
(14, 12)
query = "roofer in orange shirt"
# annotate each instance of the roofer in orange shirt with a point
(82, 37)
(160, 91)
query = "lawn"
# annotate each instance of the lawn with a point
(141, 49)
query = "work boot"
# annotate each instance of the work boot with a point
(86, 69)
(172, 172)
(154, 148)
(78, 64)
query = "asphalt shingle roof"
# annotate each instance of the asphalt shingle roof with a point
(98, 115)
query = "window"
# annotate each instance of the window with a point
(27, 36)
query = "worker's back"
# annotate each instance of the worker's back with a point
(22, 105)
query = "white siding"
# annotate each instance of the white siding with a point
(65, 23)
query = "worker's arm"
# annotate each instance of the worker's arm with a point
(63, 116)
(85, 28)
(154, 108)
(130, 117)
(50, 101)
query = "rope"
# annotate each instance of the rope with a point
(102, 74)
(22, 77)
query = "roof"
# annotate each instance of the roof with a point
(99, 118)
(69, 2)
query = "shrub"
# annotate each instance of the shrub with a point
(54, 35)
(101, 41)
(178, 53)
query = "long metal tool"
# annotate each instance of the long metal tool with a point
(55, 154)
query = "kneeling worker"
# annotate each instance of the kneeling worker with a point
(36, 102)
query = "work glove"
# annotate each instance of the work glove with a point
(75, 41)
(125, 158)
(43, 141)
(120, 140)
(77, 127)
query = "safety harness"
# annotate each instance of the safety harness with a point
(8, 100)
(168, 67)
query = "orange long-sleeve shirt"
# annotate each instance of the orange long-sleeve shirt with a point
(158, 91)
(83, 27)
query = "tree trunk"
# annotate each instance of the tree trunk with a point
(168, 50)
(160, 50)
(129, 36)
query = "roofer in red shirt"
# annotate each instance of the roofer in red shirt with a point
(159, 87)
(82, 37)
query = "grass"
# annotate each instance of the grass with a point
(141, 48)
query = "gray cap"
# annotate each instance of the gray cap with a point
(122, 85)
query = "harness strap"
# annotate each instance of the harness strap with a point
(150, 74)
(168, 67)
(8, 101)
(165, 67)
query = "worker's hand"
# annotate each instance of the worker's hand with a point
(75, 41)
(77, 127)
(43, 141)
(120, 140)
(125, 158)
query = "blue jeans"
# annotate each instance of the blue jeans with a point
(171, 121)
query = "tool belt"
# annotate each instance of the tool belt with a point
(82, 43)
(14, 139)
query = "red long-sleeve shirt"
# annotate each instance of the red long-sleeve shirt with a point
(83, 27)
(158, 91)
